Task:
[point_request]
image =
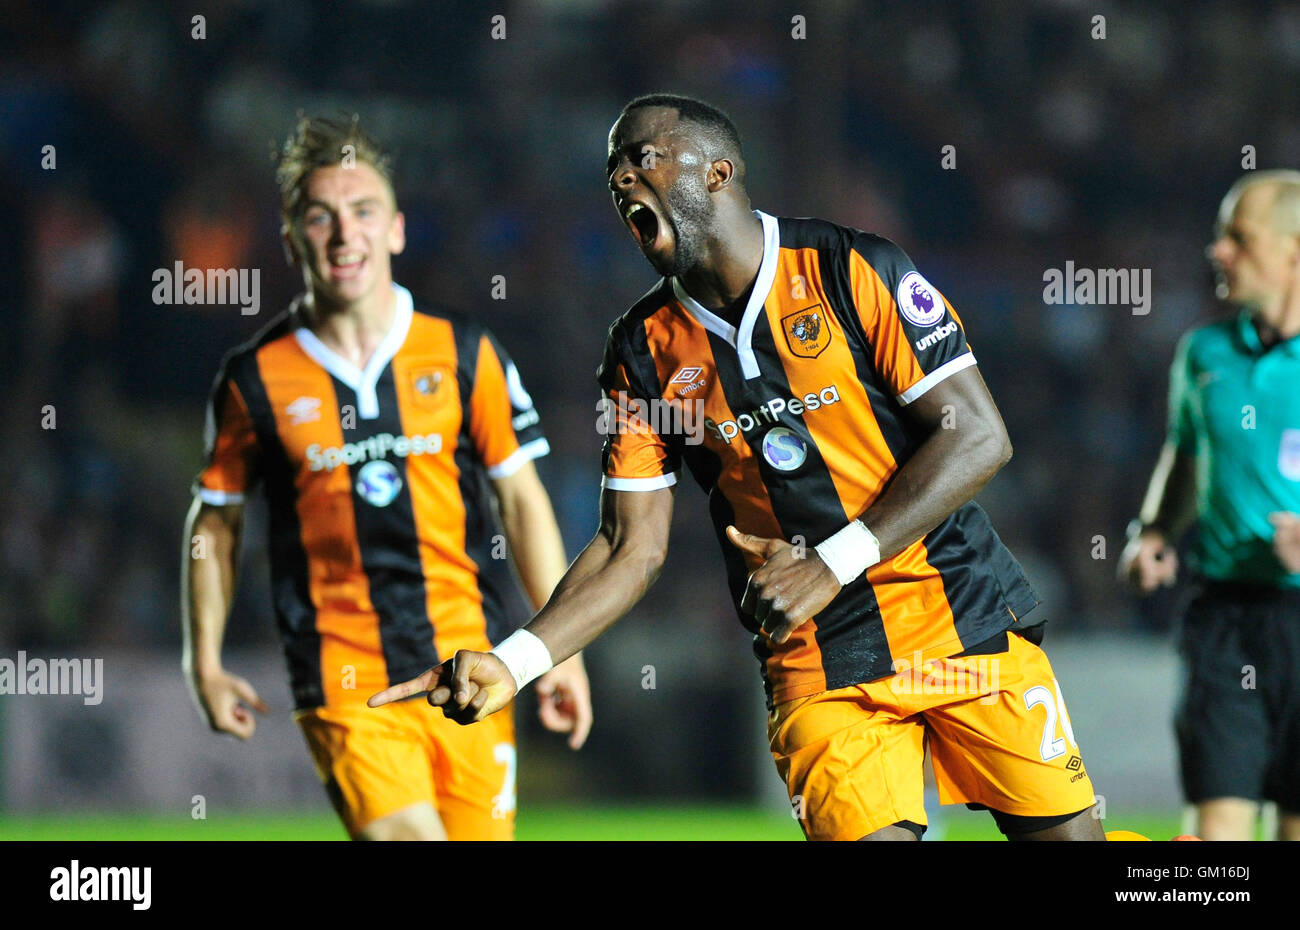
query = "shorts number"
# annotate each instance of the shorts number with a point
(1051, 745)
(504, 802)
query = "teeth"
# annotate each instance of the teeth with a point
(632, 208)
(347, 259)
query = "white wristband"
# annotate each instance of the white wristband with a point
(525, 655)
(850, 552)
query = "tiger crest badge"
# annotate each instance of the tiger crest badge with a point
(430, 384)
(807, 331)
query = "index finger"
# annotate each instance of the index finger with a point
(417, 685)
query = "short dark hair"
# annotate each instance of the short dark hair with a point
(718, 131)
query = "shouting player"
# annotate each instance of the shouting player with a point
(375, 426)
(841, 405)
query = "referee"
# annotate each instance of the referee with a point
(1231, 464)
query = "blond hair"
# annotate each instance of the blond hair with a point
(318, 142)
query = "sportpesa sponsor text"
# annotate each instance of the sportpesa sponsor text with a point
(371, 448)
(770, 411)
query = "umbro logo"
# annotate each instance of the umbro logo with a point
(303, 410)
(688, 376)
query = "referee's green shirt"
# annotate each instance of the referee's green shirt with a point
(1236, 408)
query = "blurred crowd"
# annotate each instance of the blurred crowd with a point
(128, 143)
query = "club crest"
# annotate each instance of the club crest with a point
(430, 385)
(807, 331)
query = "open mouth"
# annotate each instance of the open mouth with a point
(347, 265)
(643, 223)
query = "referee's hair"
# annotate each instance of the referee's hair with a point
(717, 133)
(1285, 214)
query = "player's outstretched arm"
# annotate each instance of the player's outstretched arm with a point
(211, 551)
(604, 582)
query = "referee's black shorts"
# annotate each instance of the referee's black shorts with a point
(1238, 717)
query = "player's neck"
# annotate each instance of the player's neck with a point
(730, 263)
(353, 331)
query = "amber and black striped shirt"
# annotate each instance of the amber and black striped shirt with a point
(381, 524)
(802, 423)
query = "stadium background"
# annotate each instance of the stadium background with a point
(1111, 153)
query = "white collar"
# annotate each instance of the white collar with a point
(363, 380)
(741, 339)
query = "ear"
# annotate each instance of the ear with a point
(720, 174)
(397, 234)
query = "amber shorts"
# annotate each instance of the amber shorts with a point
(377, 761)
(996, 727)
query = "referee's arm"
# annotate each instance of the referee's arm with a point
(1149, 560)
